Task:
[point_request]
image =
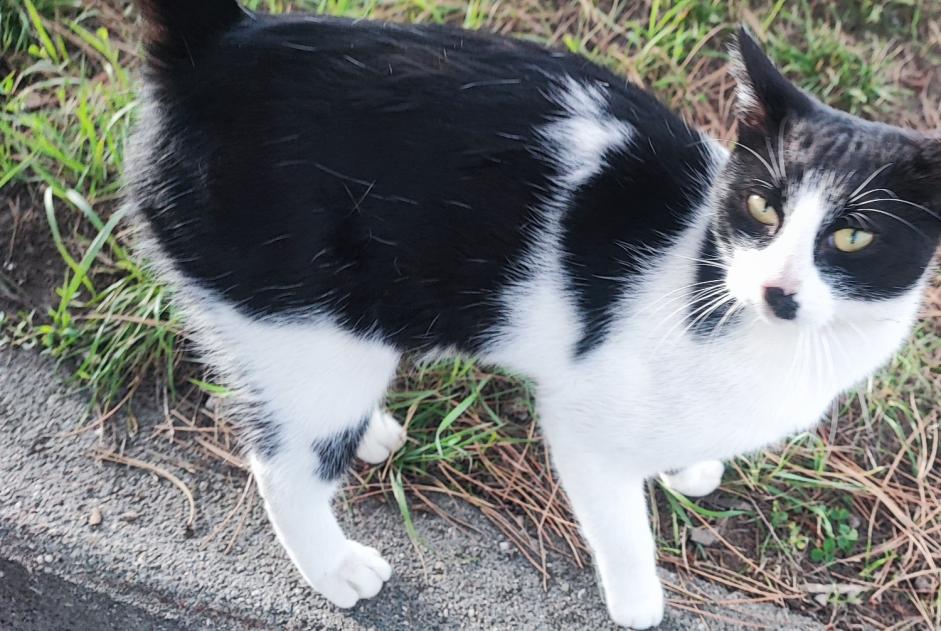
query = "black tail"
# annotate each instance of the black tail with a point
(178, 30)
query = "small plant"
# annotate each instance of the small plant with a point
(841, 74)
(794, 534)
(840, 536)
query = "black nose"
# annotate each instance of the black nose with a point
(783, 305)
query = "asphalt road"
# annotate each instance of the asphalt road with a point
(140, 568)
(45, 602)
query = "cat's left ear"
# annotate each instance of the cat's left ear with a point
(764, 98)
(926, 166)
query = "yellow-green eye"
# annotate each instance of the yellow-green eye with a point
(763, 213)
(850, 239)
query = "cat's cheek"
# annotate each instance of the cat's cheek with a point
(817, 304)
(743, 279)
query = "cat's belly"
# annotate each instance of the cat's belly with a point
(680, 428)
(679, 406)
(726, 422)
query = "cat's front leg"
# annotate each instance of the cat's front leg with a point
(696, 480)
(612, 513)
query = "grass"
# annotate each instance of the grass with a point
(842, 523)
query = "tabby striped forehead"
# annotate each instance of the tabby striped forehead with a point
(848, 156)
(849, 160)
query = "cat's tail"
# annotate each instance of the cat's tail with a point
(178, 31)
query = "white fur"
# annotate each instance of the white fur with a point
(583, 133)
(788, 263)
(383, 437)
(315, 380)
(652, 398)
(696, 480)
(577, 141)
(747, 103)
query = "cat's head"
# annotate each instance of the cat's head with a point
(821, 216)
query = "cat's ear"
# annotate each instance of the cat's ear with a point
(764, 98)
(926, 166)
(917, 177)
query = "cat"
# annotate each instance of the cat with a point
(328, 196)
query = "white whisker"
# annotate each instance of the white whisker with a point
(896, 217)
(906, 202)
(869, 179)
(760, 159)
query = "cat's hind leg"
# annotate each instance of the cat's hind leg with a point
(384, 436)
(316, 389)
(697, 480)
(297, 488)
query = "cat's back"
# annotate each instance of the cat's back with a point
(394, 176)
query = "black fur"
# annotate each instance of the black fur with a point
(704, 314)
(177, 31)
(264, 435)
(646, 195)
(903, 212)
(335, 454)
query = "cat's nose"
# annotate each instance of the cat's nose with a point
(782, 304)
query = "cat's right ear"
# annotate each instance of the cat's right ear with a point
(764, 98)
(925, 168)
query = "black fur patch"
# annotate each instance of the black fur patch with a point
(873, 187)
(875, 177)
(629, 213)
(263, 436)
(701, 318)
(335, 454)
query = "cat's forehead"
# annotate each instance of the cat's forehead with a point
(849, 148)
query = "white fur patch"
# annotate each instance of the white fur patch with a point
(577, 140)
(582, 134)
(747, 103)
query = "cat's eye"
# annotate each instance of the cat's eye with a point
(763, 213)
(850, 239)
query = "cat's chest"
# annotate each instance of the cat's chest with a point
(729, 400)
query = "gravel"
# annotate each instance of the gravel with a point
(97, 544)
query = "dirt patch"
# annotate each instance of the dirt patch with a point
(30, 266)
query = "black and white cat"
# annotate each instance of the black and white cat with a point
(329, 196)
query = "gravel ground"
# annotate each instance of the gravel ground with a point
(140, 568)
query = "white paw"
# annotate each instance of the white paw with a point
(640, 608)
(696, 481)
(383, 437)
(360, 575)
